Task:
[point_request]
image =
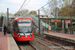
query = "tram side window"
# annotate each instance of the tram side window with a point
(15, 27)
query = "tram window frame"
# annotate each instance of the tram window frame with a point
(15, 27)
(32, 27)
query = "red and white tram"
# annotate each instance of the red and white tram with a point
(23, 29)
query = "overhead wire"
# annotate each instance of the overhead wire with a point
(22, 4)
(26, 3)
(46, 4)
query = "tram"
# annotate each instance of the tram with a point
(23, 29)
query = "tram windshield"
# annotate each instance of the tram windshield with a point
(24, 26)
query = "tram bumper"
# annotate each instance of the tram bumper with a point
(24, 38)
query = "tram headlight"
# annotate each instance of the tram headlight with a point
(19, 35)
(30, 35)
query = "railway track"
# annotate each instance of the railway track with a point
(51, 45)
(25, 46)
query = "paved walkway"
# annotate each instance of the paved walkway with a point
(7, 42)
(67, 36)
(3, 41)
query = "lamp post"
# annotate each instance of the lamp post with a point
(73, 5)
(39, 19)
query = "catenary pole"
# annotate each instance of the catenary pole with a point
(39, 19)
(7, 17)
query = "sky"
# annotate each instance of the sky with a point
(14, 5)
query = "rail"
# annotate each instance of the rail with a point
(49, 43)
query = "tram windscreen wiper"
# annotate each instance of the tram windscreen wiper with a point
(23, 33)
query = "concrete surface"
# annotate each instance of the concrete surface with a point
(12, 43)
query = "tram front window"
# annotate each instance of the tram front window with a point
(24, 29)
(24, 25)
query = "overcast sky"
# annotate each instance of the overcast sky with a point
(14, 5)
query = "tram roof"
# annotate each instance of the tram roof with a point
(16, 19)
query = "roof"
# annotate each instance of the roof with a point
(16, 19)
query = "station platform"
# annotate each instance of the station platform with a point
(63, 36)
(7, 42)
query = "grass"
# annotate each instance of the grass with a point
(38, 35)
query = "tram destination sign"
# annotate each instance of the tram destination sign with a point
(24, 20)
